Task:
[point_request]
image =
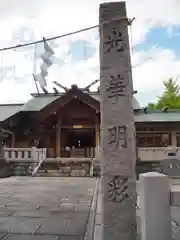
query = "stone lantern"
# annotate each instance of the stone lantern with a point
(171, 163)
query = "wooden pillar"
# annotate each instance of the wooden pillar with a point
(173, 139)
(58, 137)
(97, 130)
(13, 140)
(97, 135)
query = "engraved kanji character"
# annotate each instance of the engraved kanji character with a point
(118, 136)
(118, 189)
(116, 87)
(115, 41)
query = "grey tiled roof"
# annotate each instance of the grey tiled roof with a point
(135, 103)
(7, 110)
(38, 103)
(158, 116)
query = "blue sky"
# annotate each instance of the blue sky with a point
(156, 37)
(81, 50)
(161, 36)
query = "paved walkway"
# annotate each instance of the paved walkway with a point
(55, 209)
(47, 208)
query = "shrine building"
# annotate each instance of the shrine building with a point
(67, 124)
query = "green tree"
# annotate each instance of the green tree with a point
(170, 97)
(152, 106)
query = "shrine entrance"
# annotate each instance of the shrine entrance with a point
(80, 142)
(81, 138)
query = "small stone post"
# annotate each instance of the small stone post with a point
(154, 202)
(118, 156)
(34, 154)
(34, 158)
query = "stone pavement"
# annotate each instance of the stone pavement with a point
(56, 209)
(47, 208)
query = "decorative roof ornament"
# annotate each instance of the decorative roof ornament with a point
(87, 88)
(47, 62)
(40, 79)
(74, 86)
(61, 86)
(145, 110)
(165, 109)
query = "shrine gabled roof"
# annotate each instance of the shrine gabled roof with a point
(39, 102)
(135, 103)
(73, 93)
(8, 110)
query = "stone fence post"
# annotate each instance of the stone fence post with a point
(154, 199)
(34, 154)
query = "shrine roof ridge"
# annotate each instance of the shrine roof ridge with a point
(49, 94)
(11, 104)
(158, 116)
(8, 110)
(168, 110)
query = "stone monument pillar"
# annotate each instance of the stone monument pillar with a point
(117, 123)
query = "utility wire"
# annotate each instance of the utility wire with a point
(48, 39)
(129, 22)
(1, 68)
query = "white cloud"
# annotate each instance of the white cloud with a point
(21, 7)
(153, 68)
(52, 17)
(13, 92)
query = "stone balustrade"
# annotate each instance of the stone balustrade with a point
(145, 154)
(149, 154)
(42, 166)
(24, 154)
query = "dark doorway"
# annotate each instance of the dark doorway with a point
(81, 138)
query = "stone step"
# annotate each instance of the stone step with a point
(73, 169)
